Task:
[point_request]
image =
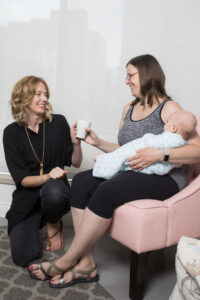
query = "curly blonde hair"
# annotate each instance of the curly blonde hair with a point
(22, 95)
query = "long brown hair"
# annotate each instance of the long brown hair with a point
(152, 79)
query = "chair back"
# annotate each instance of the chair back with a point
(194, 169)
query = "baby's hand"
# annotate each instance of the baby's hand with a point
(96, 157)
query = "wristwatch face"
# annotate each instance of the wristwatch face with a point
(166, 158)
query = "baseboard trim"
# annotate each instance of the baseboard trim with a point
(4, 207)
(3, 222)
(5, 178)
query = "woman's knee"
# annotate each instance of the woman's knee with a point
(54, 192)
(102, 202)
(54, 200)
(82, 179)
(23, 256)
(83, 186)
(25, 240)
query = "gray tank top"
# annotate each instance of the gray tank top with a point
(132, 130)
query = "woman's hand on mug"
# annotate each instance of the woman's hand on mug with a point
(73, 131)
(145, 157)
(56, 173)
(91, 137)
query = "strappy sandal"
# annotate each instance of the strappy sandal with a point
(84, 279)
(59, 231)
(39, 267)
(47, 273)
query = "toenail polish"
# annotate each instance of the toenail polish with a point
(52, 280)
(31, 267)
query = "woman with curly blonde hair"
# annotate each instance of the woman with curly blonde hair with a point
(37, 147)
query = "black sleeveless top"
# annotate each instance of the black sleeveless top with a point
(153, 123)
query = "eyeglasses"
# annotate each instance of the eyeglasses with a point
(128, 76)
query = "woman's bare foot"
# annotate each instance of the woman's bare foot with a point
(55, 236)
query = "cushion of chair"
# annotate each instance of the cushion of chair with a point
(141, 225)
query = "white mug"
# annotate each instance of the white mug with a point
(81, 125)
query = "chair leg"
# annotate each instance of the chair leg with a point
(138, 271)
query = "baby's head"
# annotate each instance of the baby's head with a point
(183, 123)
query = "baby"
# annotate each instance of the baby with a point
(179, 128)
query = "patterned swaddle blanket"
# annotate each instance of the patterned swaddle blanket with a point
(113, 163)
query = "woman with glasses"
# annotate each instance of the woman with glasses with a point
(37, 147)
(93, 200)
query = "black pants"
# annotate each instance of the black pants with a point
(24, 237)
(103, 196)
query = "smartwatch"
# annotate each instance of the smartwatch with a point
(166, 156)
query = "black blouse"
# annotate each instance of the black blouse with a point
(22, 162)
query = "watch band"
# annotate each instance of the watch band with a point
(166, 156)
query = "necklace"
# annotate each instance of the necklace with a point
(42, 161)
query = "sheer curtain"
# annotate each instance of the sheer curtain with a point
(81, 47)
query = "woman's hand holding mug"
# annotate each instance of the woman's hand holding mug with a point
(91, 137)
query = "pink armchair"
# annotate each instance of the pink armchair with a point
(146, 225)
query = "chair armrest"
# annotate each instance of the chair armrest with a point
(189, 190)
(183, 213)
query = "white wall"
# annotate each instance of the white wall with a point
(81, 47)
(6, 191)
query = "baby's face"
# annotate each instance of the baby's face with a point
(168, 125)
(172, 122)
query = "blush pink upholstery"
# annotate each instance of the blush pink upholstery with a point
(145, 225)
